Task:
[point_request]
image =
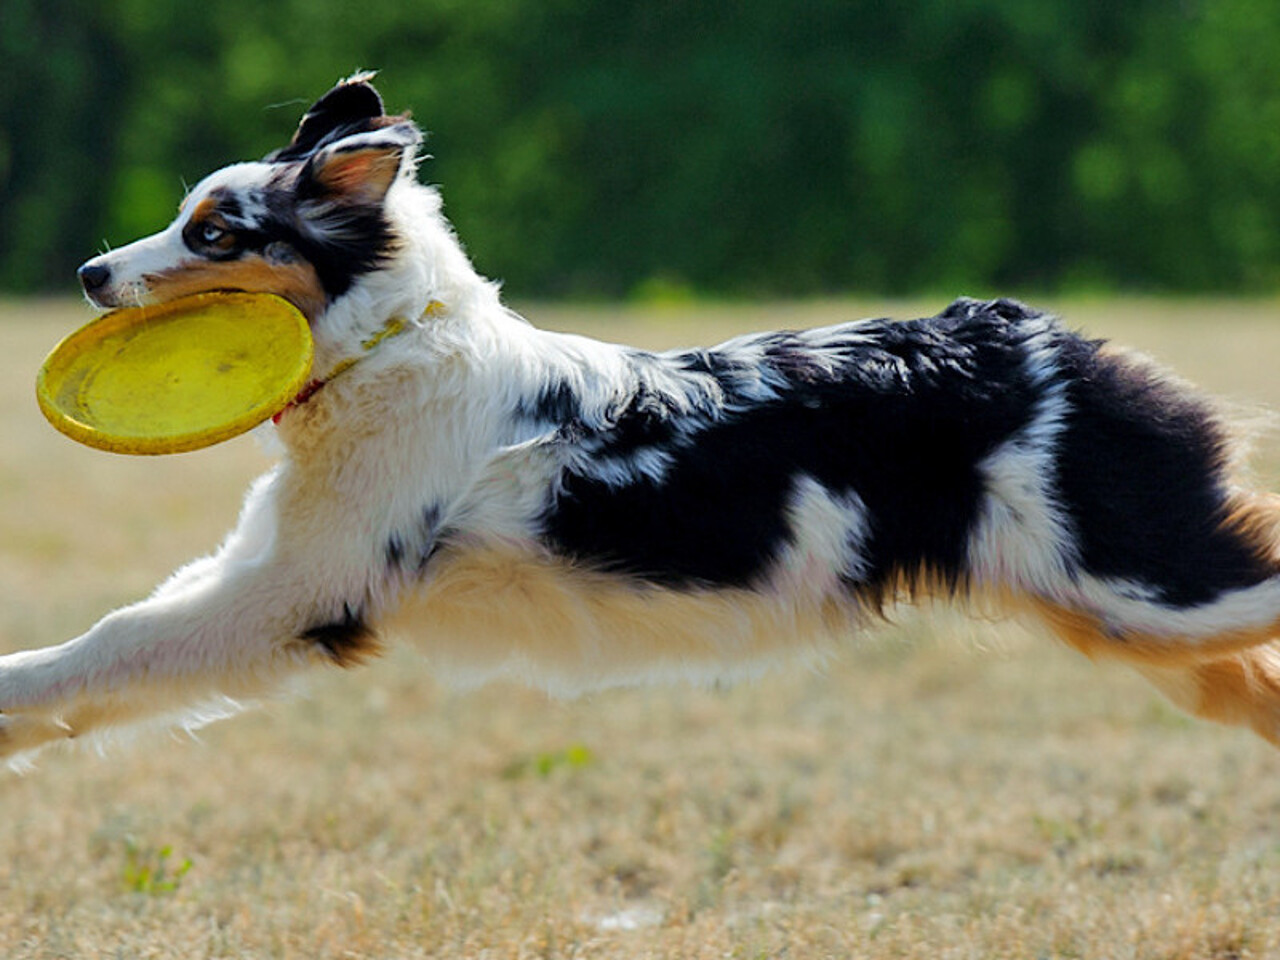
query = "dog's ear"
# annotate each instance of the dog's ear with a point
(352, 105)
(361, 168)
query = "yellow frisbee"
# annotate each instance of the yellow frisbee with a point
(178, 376)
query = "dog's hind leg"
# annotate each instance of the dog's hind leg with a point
(1218, 659)
(1241, 689)
(1115, 516)
(1177, 564)
(226, 629)
(1172, 558)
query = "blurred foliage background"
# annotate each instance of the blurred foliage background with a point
(600, 148)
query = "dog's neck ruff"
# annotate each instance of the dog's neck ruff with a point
(393, 327)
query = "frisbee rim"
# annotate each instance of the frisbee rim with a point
(81, 342)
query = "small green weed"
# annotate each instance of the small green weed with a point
(150, 871)
(574, 757)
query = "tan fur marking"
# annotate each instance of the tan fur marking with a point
(296, 282)
(1255, 516)
(548, 617)
(203, 209)
(567, 628)
(369, 647)
(1242, 690)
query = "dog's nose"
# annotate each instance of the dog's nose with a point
(93, 276)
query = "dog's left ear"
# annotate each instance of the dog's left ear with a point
(352, 102)
(352, 105)
(361, 168)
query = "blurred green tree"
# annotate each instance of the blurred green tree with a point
(596, 148)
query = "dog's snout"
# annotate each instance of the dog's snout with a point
(93, 276)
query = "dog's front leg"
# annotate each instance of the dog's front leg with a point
(229, 628)
(177, 656)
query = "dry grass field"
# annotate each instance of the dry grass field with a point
(949, 788)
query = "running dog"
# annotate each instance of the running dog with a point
(579, 514)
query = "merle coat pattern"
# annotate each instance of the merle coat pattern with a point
(579, 514)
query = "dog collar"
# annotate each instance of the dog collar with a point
(392, 328)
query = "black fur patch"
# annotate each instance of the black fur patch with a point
(410, 550)
(347, 108)
(898, 413)
(343, 241)
(556, 404)
(348, 641)
(1142, 477)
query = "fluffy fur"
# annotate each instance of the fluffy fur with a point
(577, 514)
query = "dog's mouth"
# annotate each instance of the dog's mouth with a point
(296, 282)
(133, 295)
(140, 294)
(109, 287)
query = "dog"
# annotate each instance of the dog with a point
(578, 514)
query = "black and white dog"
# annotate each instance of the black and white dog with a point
(578, 514)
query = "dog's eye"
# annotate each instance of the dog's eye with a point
(211, 233)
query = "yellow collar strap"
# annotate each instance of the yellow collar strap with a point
(392, 328)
